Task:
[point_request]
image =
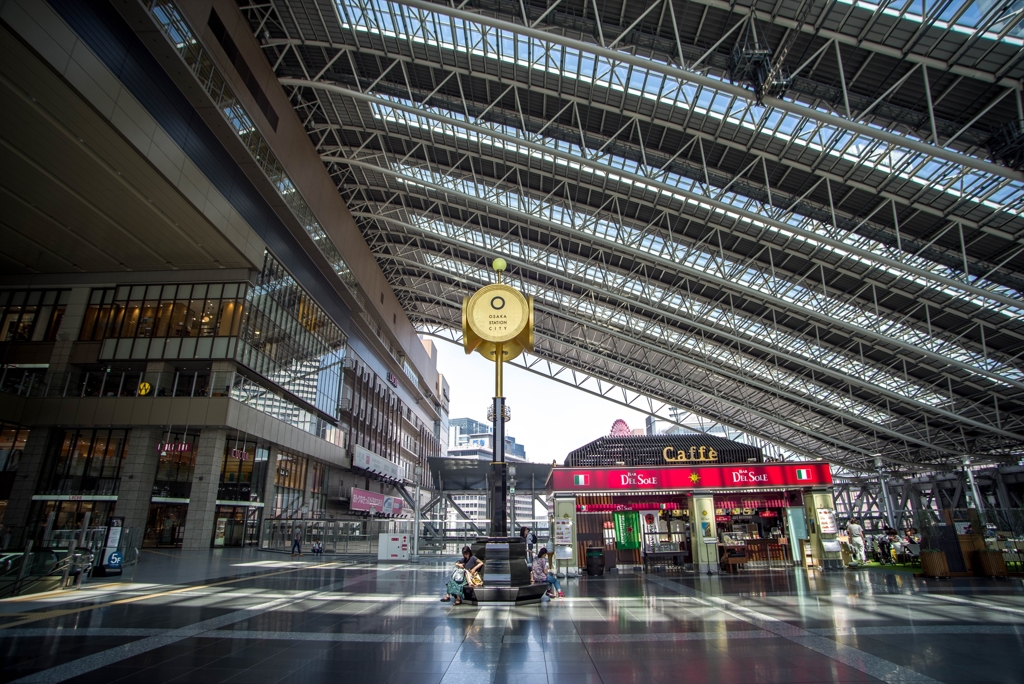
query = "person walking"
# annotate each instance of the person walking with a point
(531, 539)
(542, 573)
(856, 534)
(297, 542)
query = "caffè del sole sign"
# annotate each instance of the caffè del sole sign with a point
(695, 454)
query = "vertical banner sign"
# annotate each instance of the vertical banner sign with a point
(627, 529)
(112, 558)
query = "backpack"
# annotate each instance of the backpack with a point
(459, 575)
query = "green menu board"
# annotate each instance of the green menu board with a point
(627, 529)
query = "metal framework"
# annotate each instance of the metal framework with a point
(820, 244)
(902, 501)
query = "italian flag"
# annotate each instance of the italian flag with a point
(581, 480)
(803, 474)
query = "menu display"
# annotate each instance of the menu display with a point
(827, 521)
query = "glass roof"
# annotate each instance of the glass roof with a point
(399, 21)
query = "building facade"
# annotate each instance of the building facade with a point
(194, 337)
(471, 439)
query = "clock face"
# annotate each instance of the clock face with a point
(497, 313)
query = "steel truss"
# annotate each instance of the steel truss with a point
(1000, 488)
(830, 287)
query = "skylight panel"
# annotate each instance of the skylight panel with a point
(602, 72)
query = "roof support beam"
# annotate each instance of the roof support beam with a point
(679, 320)
(855, 41)
(664, 187)
(721, 86)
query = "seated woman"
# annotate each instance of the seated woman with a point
(469, 564)
(541, 573)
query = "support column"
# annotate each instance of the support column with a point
(702, 526)
(267, 495)
(975, 494)
(27, 476)
(498, 509)
(137, 476)
(815, 500)
(70, 325)
(222, 377)
(160, 377)
(307, 492)
(270, 486)
(202, 506)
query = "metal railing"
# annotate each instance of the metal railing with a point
(60, 558)
(440, 538)
(35, 383)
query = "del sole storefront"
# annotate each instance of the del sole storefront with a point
(711, 516)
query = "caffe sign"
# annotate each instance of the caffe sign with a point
(695, 454)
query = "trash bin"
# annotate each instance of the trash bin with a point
(595, 561)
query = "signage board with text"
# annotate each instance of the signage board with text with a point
(627, 529)
(568, 479)
(371, 462)
(373, 502)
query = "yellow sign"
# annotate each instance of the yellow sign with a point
(497, 315)
(144, 388)
(701, 453)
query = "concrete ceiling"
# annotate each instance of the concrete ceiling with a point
(76, 196)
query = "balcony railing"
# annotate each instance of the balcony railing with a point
(33, 382)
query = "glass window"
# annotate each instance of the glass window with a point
(130, 320)
(147, 319)
(12, 446)
(176, 466)
(87, 462)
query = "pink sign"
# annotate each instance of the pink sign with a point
(174, 447)
(373, 502)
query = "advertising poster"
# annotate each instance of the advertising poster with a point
(373, 502)
(627, 529)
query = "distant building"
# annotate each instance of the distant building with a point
(471, 439)
(468, 438)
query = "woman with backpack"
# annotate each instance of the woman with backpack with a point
(460, 578)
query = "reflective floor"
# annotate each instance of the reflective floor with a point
(257, 619)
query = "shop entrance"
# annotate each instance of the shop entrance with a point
(66, 525)
(165, 526)
(236, 526)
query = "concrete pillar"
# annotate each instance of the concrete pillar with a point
(26, 480)
(821, 500)
(222, 376)
(70, 326)
(267, 495)
(307, 494)
(702, 527)
(269, 487)
(160, 376)
(202, 506)
(137, 476)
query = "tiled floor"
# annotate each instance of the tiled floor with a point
(259, 619)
